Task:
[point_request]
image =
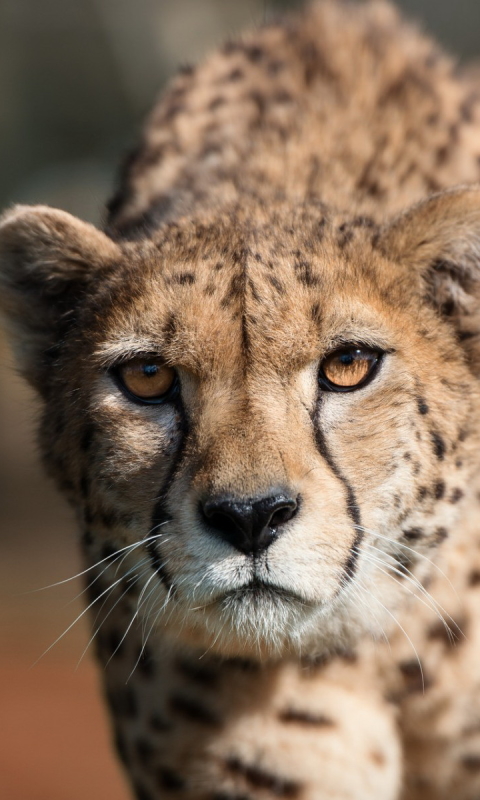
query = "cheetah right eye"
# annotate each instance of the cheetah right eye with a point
(349, 368)
(147, 380)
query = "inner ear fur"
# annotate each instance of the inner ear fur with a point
(439, 240)
(47, 259)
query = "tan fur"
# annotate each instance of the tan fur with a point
(279, 205)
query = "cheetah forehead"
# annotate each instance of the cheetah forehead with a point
(285, 292)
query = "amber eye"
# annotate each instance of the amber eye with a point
(148, 380)
(349, 368)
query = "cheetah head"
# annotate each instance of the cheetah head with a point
(265, 422)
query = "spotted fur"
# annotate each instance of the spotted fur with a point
(309, 185)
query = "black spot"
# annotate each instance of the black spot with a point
(184, 278)
(145, 662)
(123, 702)
(186, 69)
(456, 495)
(258, 778)
(199, 673)
(209, 290)
(158, 724)
(235, 75)
(403, 562)
(170, 327)
(141, 793)
(259, 100)
(84, 486)
(87, 437)
(439, 490)
(282, 96)
(129, 586)
(407, 456)
(216, 103)
(108, 551)
(363, 222)
(277, 285)
(168, 779)
(413, 534)
(422, 492)
(315, 313)
(346, 236)
(449, 632)
(235, 290)
(112, 642)
(191, 709)
(109, 518)
(304, 274)
(474, 578)
(471, 762)
(242, 664)
(228, 796)
(87, 538)
(144, 751)
(295, 715)
(414, 676)
(254, 292)
(438, 445)
(440, 535)
(422, 406)
(254, 53)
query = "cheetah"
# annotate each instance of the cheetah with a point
(260, 393)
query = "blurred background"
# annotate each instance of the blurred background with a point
(76, 79)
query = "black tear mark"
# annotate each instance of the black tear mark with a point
(353, 509)
(161, 515)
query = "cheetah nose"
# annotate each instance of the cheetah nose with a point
(249, 525)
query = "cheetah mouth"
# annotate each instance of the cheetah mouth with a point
(258, 591)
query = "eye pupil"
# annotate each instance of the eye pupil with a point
(150, 369)
(347, 359)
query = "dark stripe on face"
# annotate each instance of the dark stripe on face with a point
(161, 514)
(353, 509)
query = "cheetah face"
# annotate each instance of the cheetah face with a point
(262, 424)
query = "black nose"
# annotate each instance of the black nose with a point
(249, 525)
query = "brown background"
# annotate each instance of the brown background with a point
(76, 77)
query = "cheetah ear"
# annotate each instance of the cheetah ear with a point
(440, 238)
(47, 260)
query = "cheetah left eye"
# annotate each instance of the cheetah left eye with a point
(349, 368)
